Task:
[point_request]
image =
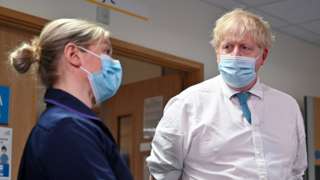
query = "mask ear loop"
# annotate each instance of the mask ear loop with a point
(88, 51)
(257, 57)
(86, 71)
(94, 54)
(260, 54)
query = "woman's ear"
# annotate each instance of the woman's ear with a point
(72, 54)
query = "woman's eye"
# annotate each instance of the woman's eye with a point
(107, 51)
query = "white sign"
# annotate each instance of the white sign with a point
(5, 154)
(135, 8)
(145, 147)
(152, 113)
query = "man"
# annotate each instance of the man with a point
(232, 127)
(4, 158)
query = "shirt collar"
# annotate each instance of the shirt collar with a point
(229, 92)
(67, 101)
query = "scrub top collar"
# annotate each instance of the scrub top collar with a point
(67, 101)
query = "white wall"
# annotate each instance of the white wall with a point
(293, 67)
(179, 27)
(182, 28)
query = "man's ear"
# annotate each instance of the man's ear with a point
(264, 55)
(72, 54)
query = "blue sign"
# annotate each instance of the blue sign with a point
(4, 170)
(4, 104)
(317, 154)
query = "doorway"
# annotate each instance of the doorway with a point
(133, 113)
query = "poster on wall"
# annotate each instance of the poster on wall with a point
(134, 8)
(152, 113)
(5, 154)
(4, 104)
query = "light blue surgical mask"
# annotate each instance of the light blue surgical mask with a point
(237, 71)
(106, 82)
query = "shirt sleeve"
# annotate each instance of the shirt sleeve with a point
(300, 163)
(168, 145)
(75, 151)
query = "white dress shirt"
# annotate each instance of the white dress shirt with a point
(203, 136)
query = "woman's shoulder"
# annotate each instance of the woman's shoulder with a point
(55, 117)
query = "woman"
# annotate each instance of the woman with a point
(69, 141)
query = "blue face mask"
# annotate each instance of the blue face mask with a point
(105, 82)
(237, 71)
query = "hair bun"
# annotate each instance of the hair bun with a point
(23, 56)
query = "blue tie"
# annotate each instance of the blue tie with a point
(243, 98)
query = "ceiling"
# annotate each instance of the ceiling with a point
(297, 18)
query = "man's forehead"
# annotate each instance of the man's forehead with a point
(238, 39)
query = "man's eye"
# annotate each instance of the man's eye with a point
(247, 48)
(226, 46)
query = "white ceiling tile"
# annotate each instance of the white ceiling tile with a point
(225, 4)
(302, 34)
(313, 26)
(298, 18)
(257, 3)
(274, 22)
(294, 11)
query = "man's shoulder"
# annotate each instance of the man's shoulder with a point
(191, 96)
(208, 86)
(275, 94)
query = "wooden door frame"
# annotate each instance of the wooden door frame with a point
(193, 70)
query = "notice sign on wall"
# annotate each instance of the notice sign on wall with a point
(134, 8)
(152, 113)
(5, 153)
(4, 104)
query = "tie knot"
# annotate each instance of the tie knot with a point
(243, 97)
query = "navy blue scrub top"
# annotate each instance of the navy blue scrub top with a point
(69, 142)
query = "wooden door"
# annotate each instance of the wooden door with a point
(312, 123)
(24, 92)
(124, 115)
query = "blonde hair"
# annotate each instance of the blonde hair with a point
(49, 46)
(238, 23)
